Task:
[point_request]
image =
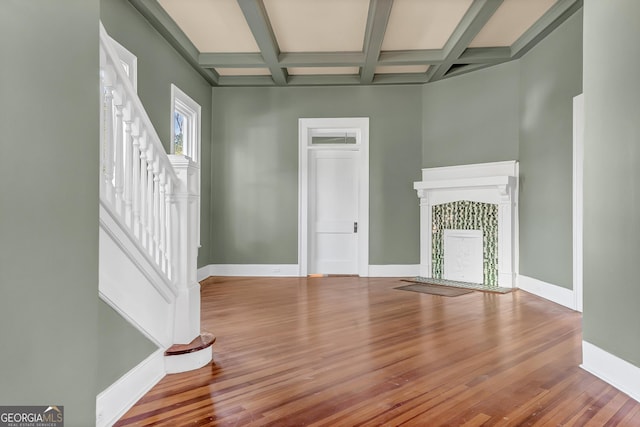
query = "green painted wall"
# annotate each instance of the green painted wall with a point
(120, 347)
(254, 211)
(49, 205)
(159, 65)
(550, 76)
(472, 118)
(611, 175)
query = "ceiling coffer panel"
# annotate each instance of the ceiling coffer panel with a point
(510, 21)
(322, 70)
(243, 71)
(212, 25)
(318, 26)
(423, 24)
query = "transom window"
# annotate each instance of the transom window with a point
(185, 125)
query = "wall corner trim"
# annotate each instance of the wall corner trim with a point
(548, 291)
(610, 368)
(119, 397)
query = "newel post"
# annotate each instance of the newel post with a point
(184, 250)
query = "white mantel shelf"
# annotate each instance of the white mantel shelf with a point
(495, 183)
(488, 181)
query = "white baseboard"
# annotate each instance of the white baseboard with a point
(120, 396)
(618, 372)
(203, 273)
(263, 270)
(394, 270)
(557, 294)
(292, 270)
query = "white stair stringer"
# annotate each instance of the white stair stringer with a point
(131, 284)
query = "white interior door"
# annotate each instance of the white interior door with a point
(333, 211)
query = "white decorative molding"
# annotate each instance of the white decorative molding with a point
(394, 270)
(188, 361)
(495, 183)
(264, 270)
(554, 293)
(120, 396)
(610, 368)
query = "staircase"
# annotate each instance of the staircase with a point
(149, 218)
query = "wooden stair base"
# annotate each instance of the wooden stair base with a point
(187, 357)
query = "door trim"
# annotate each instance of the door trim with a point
(305, 125)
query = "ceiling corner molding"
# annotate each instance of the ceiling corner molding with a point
(231, 60)
(256, 16)
(551, 20)
(166, 26)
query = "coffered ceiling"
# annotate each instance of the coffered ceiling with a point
(350, 42)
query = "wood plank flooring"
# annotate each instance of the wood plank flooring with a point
(349, 351)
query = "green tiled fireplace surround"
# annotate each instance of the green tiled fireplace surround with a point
(467, 215)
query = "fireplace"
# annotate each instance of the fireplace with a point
(468, 223)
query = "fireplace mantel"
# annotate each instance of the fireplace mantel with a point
(495, 183)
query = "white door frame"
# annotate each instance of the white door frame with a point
(578, 205)
(305, 126)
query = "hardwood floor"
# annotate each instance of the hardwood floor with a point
(347, 351)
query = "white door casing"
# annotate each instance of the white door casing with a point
(335, 244)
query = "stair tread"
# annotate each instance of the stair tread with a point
(200, 342)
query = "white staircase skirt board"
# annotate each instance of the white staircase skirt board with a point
(618, 372)
(129, 286)
(554, 293)
(120, 396)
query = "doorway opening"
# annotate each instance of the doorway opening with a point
(333, 229)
